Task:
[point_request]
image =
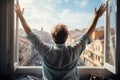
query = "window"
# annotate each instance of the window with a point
(111, 35)
(28, 56)
(73, 36)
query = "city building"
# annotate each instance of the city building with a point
(28, 55)
(24, 51)
(93, 55)
(74, 35)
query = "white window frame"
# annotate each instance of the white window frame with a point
(38, 69)
(107, 65)
(16, 40)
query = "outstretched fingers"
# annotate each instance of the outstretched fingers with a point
(18, 10)
(101, 6)
(95, 10)
(17, 7)
(102, 9)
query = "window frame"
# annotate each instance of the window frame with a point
(16, 40)
(107, 65)
(38, 69)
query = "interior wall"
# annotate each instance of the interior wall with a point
(6, 35)
(118, 39)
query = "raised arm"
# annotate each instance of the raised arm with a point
(24, 23)
(97, 15)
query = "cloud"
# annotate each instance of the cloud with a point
(25, 3)
(66, 0)
(103, 0)
(75, 20)
(46, 16)
(81, 3)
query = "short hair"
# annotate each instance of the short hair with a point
(60, 33)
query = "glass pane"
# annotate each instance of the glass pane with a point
(111, 33)
(42, 15)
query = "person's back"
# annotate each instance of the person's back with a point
(60, 60)
(60, 64)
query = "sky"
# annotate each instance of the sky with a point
(48, 13)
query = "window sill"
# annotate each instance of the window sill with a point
(83, 71)
(38, 70)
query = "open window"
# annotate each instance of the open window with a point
(110, 45)
(100, 53)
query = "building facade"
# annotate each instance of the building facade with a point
(93, 55)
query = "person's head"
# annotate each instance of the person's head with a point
(60, 33)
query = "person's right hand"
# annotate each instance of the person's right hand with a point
(18, 11)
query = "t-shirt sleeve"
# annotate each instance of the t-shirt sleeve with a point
(80, 45)
(38, 44)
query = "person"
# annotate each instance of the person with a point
(60, 60)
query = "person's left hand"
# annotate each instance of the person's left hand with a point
(18, 11)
